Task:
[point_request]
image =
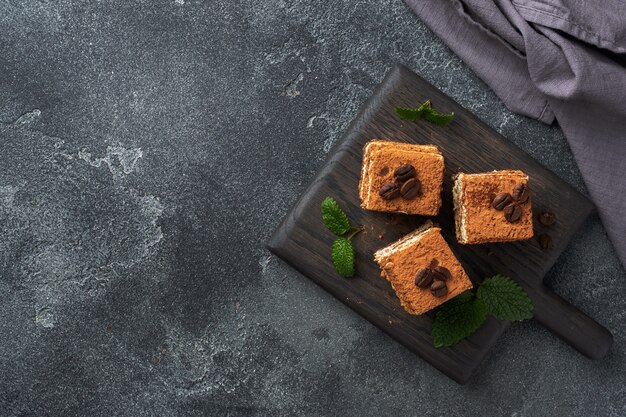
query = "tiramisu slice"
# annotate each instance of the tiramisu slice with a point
(492, 207)
(422, 269)
(401, 178)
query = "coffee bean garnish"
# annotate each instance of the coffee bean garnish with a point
(404, 172)
(434, 276)
(389, 191)
(423, 278)
(442, 274)
(410, 189)
(510, 203)
(545, 241)
(439, 288)
(384, 171)
(546, 218)
(512, 213)
(501, 201)
(521, 193)
(405, 184)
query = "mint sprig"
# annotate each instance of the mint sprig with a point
(438, 119)
(459, 317)
(336, 221)
(426, 112)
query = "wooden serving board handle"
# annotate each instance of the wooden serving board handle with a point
(575, 327)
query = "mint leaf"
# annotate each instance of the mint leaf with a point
(343, 257)
(457, 319)
(410, 114)
(504, 299)
(437, 118)
(334, 217)
(337, 222)
(425, 111)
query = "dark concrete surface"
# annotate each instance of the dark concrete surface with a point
(147, 151)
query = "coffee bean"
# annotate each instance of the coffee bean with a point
(546, 218)
(512, 213)
(389, 191)
(521, 193)
(442, 274)
(439, 288)
(384, 171)
(410, 189)
(423, 278)
(545, 241)
(501, 201)
(404, 172)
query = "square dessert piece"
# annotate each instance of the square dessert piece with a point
(422, 270)
(401, 178)
(492, 207)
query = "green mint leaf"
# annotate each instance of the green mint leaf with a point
(410, 114)
(425, 111)
(433, 116)
(334, 217)
(457, 319)
(504, 299)
(343, 257)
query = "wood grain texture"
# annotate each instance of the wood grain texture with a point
(468, 145)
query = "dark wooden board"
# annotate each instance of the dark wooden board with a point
(468, 145)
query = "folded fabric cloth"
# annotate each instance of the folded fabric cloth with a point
(547, 59)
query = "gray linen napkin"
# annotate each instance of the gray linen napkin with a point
(547, 59)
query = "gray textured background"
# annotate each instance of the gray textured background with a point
(148, 150)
